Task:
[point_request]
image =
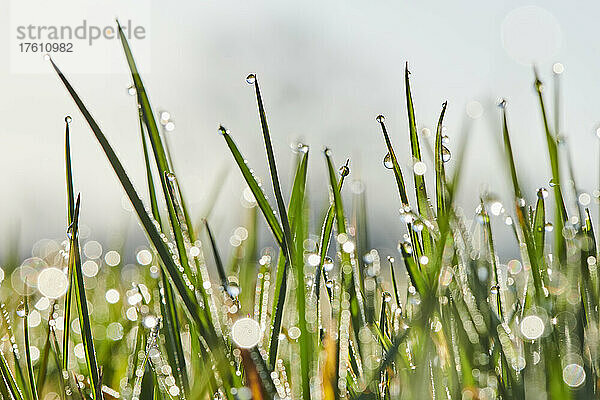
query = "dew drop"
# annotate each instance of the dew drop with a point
(380, 118)
(131, 90)
(387, 161)
(302, 148)
(233, 289)
(329, 283)
(502, 103)
(542, 193)
(446, 155)
(387, 297)
(344, 170)
(21, 310)
(494, 289)
(328, 264)
(251, 78)
(68, 119)
(47, 57)
(549, 227)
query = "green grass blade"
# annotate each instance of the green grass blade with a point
(539, 224)
(395, 165)
(297, 224)
(440, 168)
(394, 283)
(9, 379)
(32, 386)
(70, 211)
(43, 362)
(492, 253)
(82, 307)
(522, 218)
(326, 237)
(255, 187)
(171, 326)
(420, 188)
(279, 295)
(287, 233)
(561, 212)
(348, 279)
(218, 261)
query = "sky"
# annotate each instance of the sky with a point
(326, 70)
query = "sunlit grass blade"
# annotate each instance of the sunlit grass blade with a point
(32, 384)
(561, 212)
(522, 218)
(395, 166)
(191, 306)
(394, 283)
(70, 211)
(217, 257)
(287, 233)
(539, 225)
(171, 326)
(440, 168)
(492, 255)
(9, 379)
(420, 188)
(82, 306)
(326, 236)
(255, 187)
(348, 279)
(296, 203)
(296, 209)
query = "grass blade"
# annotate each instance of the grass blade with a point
(82, 306)
(70, 211)
(440, 168)
(395, 165)
(31, 376)
(9, 379)
(279, 295)
(255, 187)
(420, 188)
(561, 212)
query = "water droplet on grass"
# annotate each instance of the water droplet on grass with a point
(380, 118)
(387, 161)
(446, 155)
(68, 119)
(251, 79)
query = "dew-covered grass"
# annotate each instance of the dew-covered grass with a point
(318, 314)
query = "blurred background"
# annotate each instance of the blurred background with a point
(326, 69)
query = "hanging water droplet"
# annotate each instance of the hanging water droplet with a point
(552, 183)
(494, 289)
(302, 148)
(408, 247)
(233, 289)
(502, 103)
(47, 57)
(387, 297)
(549, 227)
(131, 90)
(21, 310)
(251, 78)
(539, 86)
(542, 193)
(328, 264)
(391, 259)
(344, 170)
(380, 118)
(387, 161)
(446, 155)
(329, 283)
(68, 119)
